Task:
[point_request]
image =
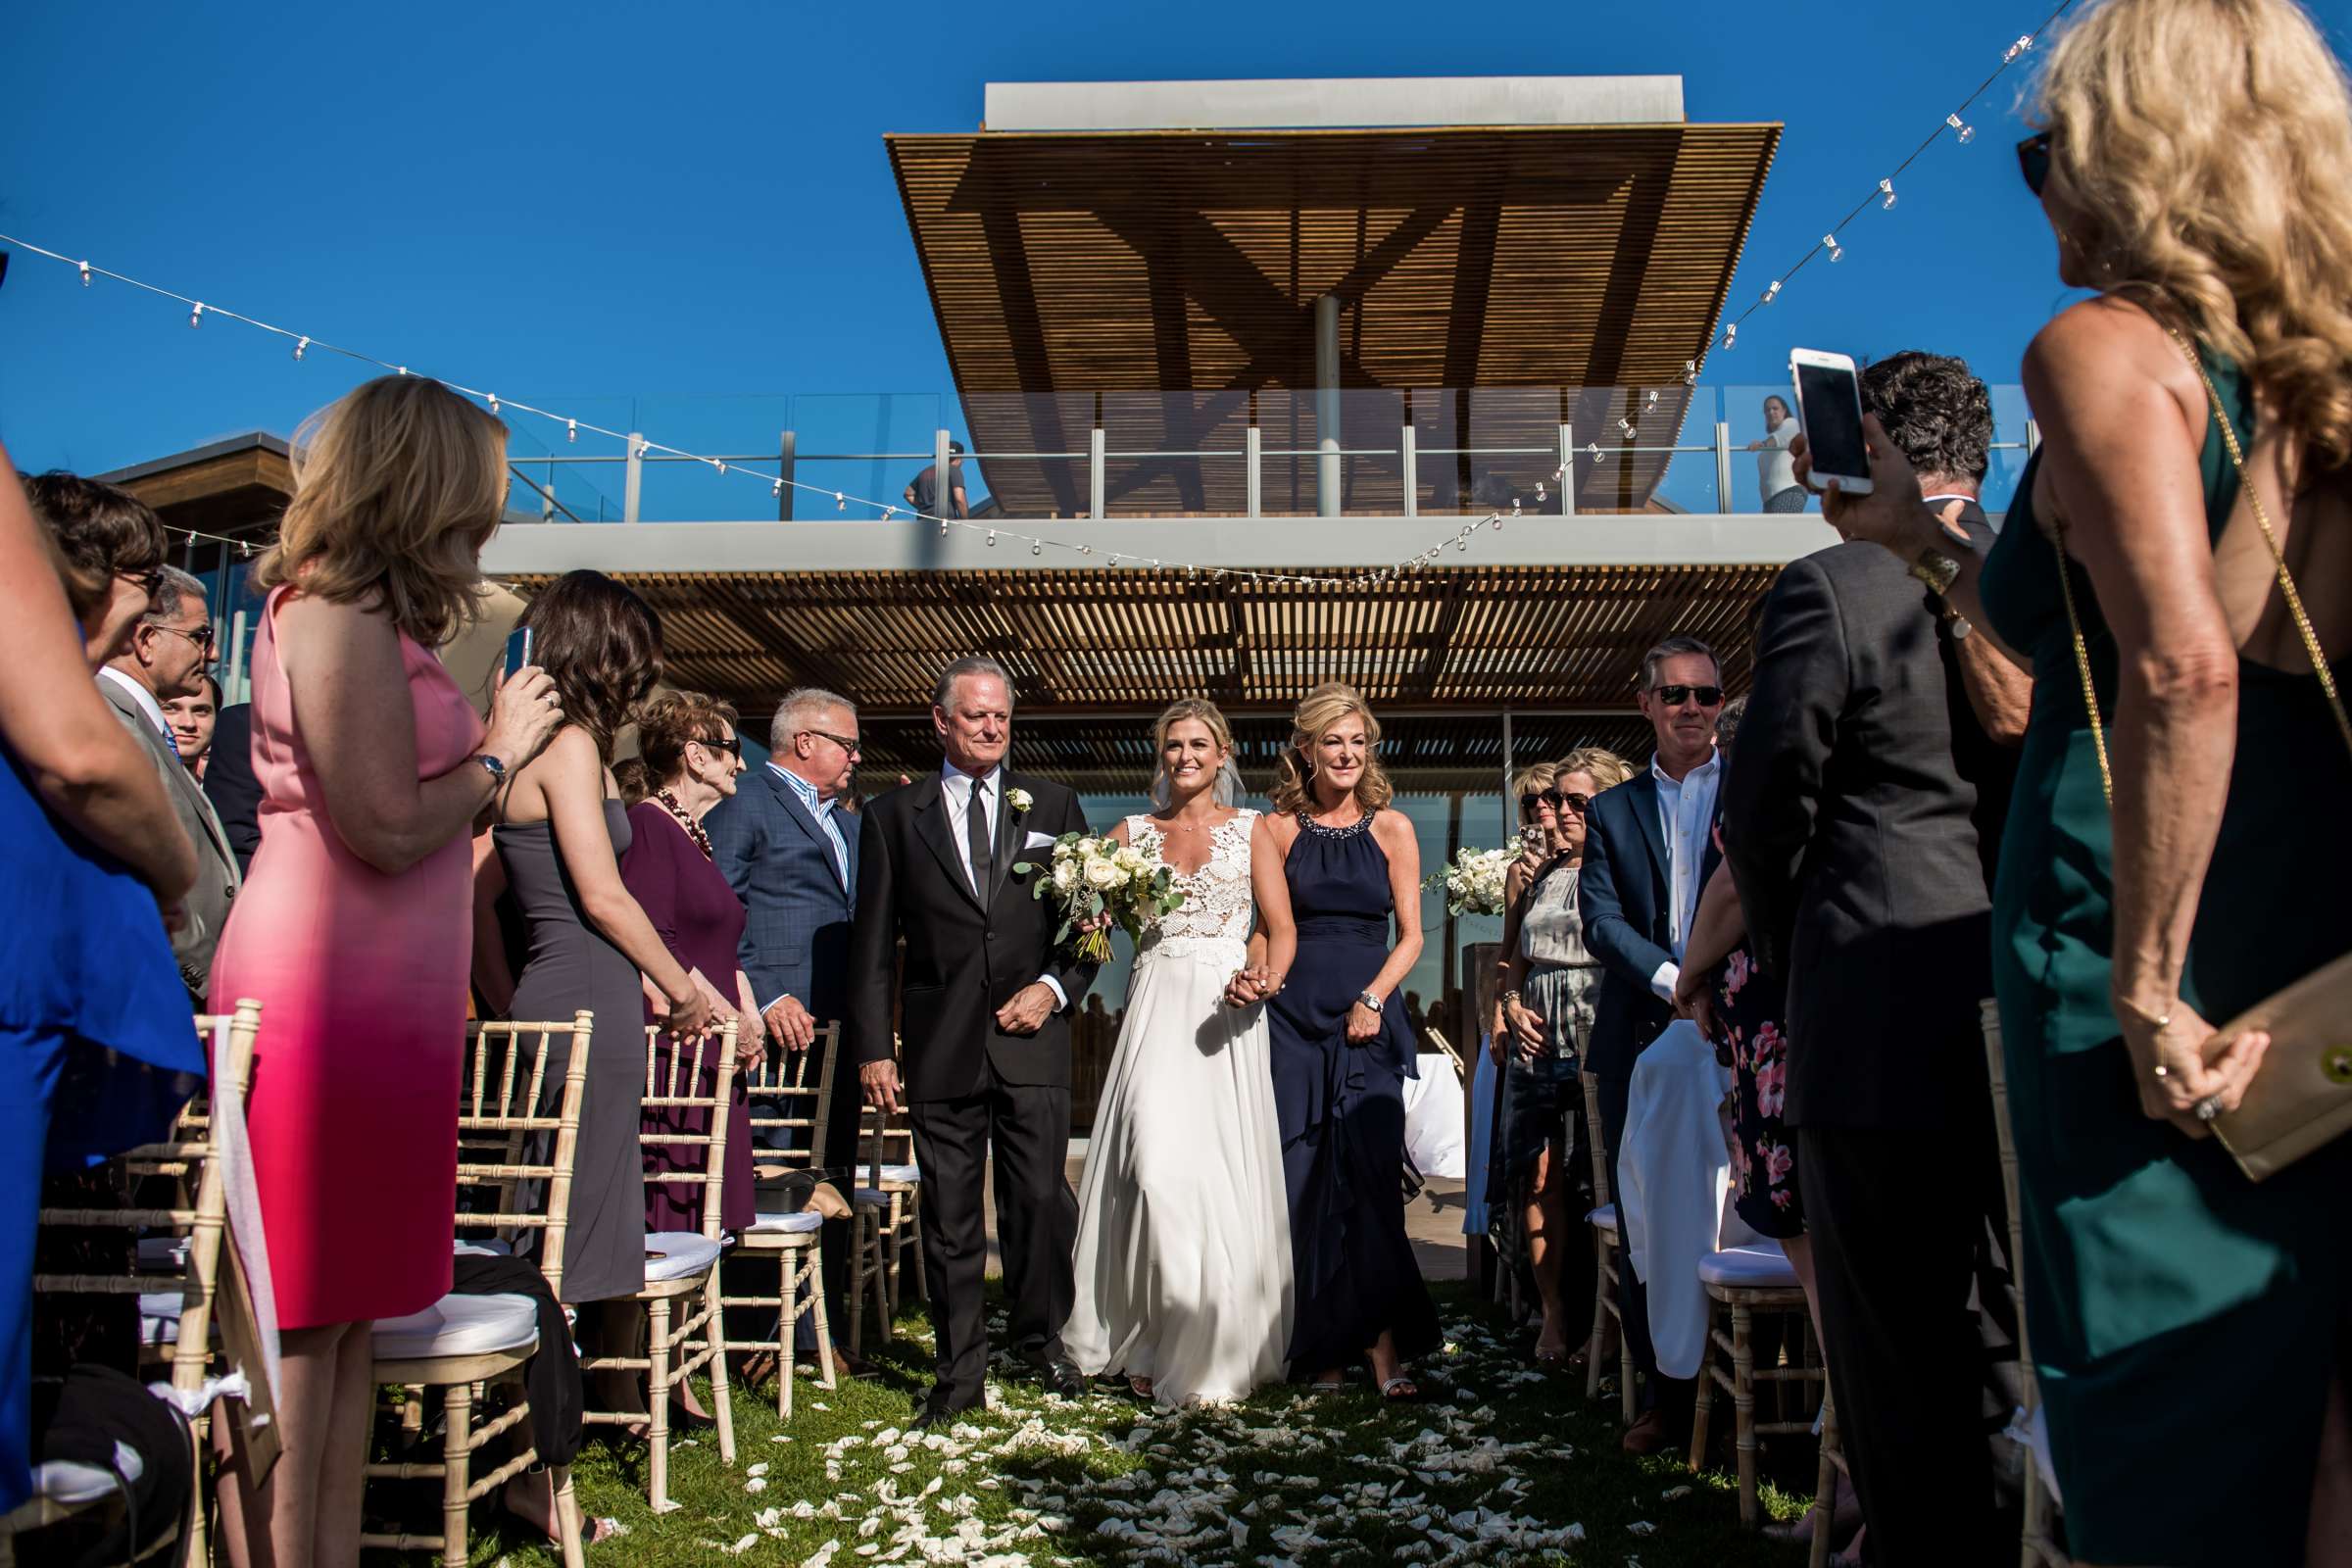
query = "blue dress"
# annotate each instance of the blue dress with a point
(1341, 1110)
(96, 1051)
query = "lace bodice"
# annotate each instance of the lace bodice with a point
(1217, 905)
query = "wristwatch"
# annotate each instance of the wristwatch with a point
(1368, 999)
(492, 767)
(1960, 626)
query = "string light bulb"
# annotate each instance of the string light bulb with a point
(1540, 497)
(1650, 401)
(942, 531)
(841, 503)
(1829, 242)
(1690, 372)
(1625, 428)
(719, 463)
(1515, 501)
(1036, 548)
(1772, 291)
(492, 397)
(776, 490)
(1886, 194)
(1592, 450)
(196, 316)
(1497, 518)
(1961, 130)
(1731, 335)
(572, 430)
(992, 535)
(85, 275)
(888, 513)
(301, 345)
(2024, 44)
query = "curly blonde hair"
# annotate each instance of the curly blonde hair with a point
(2207, 145)
(1603, 766)
(398, 484)
(1317, 711)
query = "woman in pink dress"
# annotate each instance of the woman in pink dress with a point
(354, 926)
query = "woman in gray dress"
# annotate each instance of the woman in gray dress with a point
(562, 828)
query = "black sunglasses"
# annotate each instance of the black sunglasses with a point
(2033, 159)
(1572, 802)
(1672, 696)
(150, 581)
(733, 747)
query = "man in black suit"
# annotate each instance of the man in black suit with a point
(1649, 849)
(985, 1015)
(229, 784)
(1849, 821)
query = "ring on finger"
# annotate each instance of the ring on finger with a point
(2208, 1108)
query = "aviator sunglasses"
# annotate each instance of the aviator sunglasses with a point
(2034, 161)
(1672, 696)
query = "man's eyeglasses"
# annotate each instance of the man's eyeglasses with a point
(1568, 802)
(1673, 695)
(2034, 161)
(202, 637)
(848, 743)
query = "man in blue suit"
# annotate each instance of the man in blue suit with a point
(1650, 845)
(790, 854)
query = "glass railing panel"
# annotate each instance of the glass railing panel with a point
(1175, 454)
(2007, 459)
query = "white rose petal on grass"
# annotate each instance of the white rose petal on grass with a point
(1640, 1527)
(1671, 1494)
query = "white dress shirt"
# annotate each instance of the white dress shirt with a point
(823, 810)
(147, 704)
(1686, 817)
(956, 791)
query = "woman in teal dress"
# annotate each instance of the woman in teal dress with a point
(2188, 1326)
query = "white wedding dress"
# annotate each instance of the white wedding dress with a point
(1184, 1239)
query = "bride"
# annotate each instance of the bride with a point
(1184, 1248)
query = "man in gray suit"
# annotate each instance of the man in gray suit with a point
(168, 652)
(785, 847)
(1852, 816)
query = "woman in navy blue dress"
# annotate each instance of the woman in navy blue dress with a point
(1342, 1050)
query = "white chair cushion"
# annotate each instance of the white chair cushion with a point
(459, 1325)
(900, 1173)
(1759, 1265)
(485, 1247)
(874, 1197)
(163, 1254)
(677, 1256)
(159, 1316)
(70, 1484)
(1603, 1218)
(799, 1222)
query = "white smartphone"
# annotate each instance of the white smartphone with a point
(1828, 406)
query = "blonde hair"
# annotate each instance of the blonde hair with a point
(1533, 780)
(1317, 711)
(1200, 711)
(398, 484)
(1603, 766)
(2208, 146)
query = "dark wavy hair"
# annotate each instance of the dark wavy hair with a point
(96, 532)
(1935, 409)
(601, 644)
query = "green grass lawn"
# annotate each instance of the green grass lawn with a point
(1499, 1465)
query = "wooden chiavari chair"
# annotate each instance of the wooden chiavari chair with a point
(889, 1205)
(681, 1263)
(783, 1100)
(514, 1160)
(178, 1283)
(1603, 1220)
(1744, 1281)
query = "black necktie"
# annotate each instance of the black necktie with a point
(975, 836)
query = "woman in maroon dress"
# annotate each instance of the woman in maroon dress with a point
(689, 745)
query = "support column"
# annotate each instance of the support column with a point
(1327, 405)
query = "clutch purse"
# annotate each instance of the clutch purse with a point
(2301, 1097)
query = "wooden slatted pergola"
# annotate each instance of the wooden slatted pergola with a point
(1495, 282)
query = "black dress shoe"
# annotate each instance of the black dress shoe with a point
(1063, 1378)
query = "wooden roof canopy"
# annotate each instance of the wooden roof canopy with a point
(1162, 283)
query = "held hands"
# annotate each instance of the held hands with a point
(1695, 999)
(689, 1014)
(880, 1080)
(526, 713)
(791, 1023)
(1250, 987)
(2198, 1063)
(1026, 1013)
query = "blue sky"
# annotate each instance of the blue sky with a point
(689, 206)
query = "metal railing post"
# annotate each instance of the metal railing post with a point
(633, 484)
(1567, 469)
(1722, 466)
(1098, 480)
(547, 503)
(787, 458)
(943, 475)
(1250, 445)
(1409, 451)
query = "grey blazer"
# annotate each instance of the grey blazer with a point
(217, 878)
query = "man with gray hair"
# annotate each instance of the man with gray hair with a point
(784, 847)
(950, 864)
(168, 652)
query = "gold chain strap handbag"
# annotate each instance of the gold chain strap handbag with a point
(2301, 1097)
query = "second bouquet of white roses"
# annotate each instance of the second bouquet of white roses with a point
(1474, 883)
(1098, 880)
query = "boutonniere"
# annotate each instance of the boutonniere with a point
(1019, 801)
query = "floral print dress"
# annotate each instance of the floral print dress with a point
(1748, 1008)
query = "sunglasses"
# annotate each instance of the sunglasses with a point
(1672, 696)
(848, 743)
(202, 637)
(1571, 803)
(2034, 161)
(733, 747)
(150, 582)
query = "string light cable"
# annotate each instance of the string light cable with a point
(200, 310)
(1954, 123)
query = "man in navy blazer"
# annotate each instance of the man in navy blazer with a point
(1650, 846)
(790, 854)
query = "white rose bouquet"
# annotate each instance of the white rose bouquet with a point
(1099, 883)
(1474, 883)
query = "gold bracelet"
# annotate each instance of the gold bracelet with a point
(1938, 570)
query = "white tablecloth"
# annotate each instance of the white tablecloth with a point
(1433, 1119)
(1674, 1201)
